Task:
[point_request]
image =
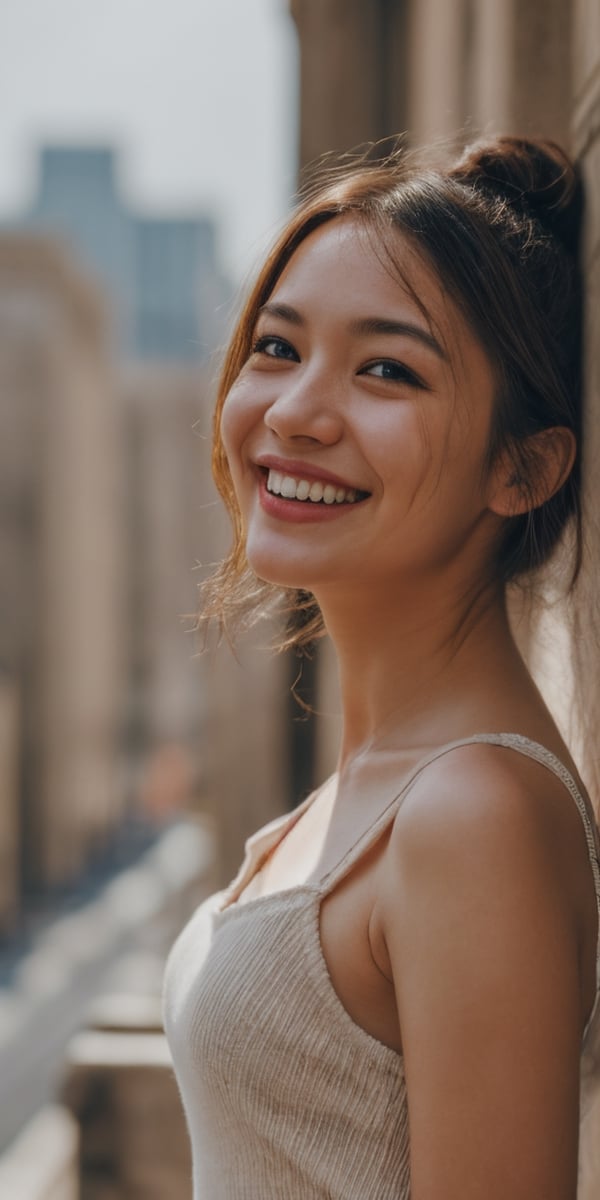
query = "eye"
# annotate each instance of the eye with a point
(274, 347)
(393, 372)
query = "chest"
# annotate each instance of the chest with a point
(348, 935)
(284, 1092)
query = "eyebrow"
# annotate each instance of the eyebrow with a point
(363, 326)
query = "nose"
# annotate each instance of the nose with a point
(306, 408)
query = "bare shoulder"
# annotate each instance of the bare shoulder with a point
(488, 862)
(487, 804)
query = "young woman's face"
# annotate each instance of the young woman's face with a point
(356, 432)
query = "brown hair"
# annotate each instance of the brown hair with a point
(501, 228)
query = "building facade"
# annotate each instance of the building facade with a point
(160, 273)
(61, 629)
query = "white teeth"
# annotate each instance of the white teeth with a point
(302, 489)
(288, 487)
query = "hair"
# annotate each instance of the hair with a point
(501, 228)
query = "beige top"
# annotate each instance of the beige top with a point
(286, 1098)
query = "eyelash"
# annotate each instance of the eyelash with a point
(259, 346)
(404, 374)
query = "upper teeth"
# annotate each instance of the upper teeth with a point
(302, 489)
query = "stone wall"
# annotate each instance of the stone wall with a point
(585, 125)
(352, 72)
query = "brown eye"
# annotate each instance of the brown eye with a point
(275, 347)
(393, 372)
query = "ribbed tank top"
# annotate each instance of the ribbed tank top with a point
(285, 1096)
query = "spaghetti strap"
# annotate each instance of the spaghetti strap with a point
(370, 835)
(511, 741)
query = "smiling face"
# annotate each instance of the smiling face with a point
(356, 432)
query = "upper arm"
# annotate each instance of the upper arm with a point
(483, 946)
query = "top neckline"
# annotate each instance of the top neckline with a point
(263, 842)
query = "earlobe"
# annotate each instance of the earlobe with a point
(526, 479)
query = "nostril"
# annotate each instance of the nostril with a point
(307, 420)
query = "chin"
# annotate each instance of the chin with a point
(279, 569)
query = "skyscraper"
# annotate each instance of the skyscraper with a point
(160, 273)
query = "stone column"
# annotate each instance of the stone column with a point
(10, 825)
(80, 578)
(489, 65)
(352, 78)
(539, 83)
(60, 411)
(437, 68)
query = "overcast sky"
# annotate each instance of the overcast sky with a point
(200, 96)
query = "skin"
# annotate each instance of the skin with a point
(465, 938)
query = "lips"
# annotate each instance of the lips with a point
(296, 492)
(304, 482)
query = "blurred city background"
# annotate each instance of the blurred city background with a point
(147, 154)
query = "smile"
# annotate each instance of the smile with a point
(291, 488)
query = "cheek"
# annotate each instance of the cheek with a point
(237, 421)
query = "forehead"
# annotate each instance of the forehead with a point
(351, 267)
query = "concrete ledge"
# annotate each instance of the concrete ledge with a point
(73, 964)
(117, 1051)
(117, 1012)
(43, 1161)
(121, 1089)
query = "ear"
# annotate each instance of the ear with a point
(546, 460)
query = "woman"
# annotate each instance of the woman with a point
(397, 438)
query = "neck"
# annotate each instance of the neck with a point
(416, 670)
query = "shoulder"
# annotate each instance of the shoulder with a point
(491, 798)
(484, 826)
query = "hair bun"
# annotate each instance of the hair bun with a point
(536, 177)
